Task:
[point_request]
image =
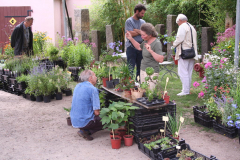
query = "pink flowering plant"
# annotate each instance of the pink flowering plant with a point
(218, 78)
(225, 44)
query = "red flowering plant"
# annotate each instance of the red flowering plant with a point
(219, 76)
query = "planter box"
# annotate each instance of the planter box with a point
(172, 155)
(144, 101)
(162, 153)
(230, 132)
(202, 117)
(171, 107)
(142, 128)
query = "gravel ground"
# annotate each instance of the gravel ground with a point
(39, 131)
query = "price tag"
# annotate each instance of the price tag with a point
(178, 147)
(161, 130)
(176, 133)
(182, 119)
(165, 118)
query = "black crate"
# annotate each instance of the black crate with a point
(74, 70)
(147, 127)
(196, 155)
(162, 153)
(230, 132)
(239, 135)
(202, 117)
(75, 77)
(144, 111)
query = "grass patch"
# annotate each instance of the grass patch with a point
(183, 103)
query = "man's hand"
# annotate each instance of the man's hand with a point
(96, 112)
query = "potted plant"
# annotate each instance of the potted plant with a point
(69, 123)
(128, 139)
(116, 115)
(174, 125)
(109, 82)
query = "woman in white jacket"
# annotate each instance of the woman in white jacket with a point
(184, 40)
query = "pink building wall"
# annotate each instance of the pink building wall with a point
(47, 14)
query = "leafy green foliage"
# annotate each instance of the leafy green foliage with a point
(116, 114)
(173, 124)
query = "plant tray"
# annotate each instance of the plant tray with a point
(144, 111)
(230, 132)
(142, 128)
(143, 100)
(196, 155)
(150, 119)
(166, 153)
(202, 117)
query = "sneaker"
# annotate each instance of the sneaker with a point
(182, 94)
(85, 135)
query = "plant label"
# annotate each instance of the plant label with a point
(178, 147)
(176, 133)
(167, 79)
(182, 119)
(165, 118)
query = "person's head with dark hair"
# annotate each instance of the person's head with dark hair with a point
(139, 8)
(139, 11)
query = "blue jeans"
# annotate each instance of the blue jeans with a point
(134, 57)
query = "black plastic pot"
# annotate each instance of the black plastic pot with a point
(59, 96)
(47, 99)
(53, 96)
(39, 98)
(31, 97)
(115, 81)
(110, 84)
(156, 150)
(68, 92)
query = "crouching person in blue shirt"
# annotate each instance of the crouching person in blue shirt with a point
(86, 106)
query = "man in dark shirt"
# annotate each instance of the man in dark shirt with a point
(22, 38)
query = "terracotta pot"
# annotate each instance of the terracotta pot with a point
(116, 133)
(166, 99)
(175, 61)
(116, 142)
(177, 138)
(128, 140)
(104, 81)
(69, 123)
(122, 131)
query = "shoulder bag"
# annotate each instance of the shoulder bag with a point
(188, 53)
